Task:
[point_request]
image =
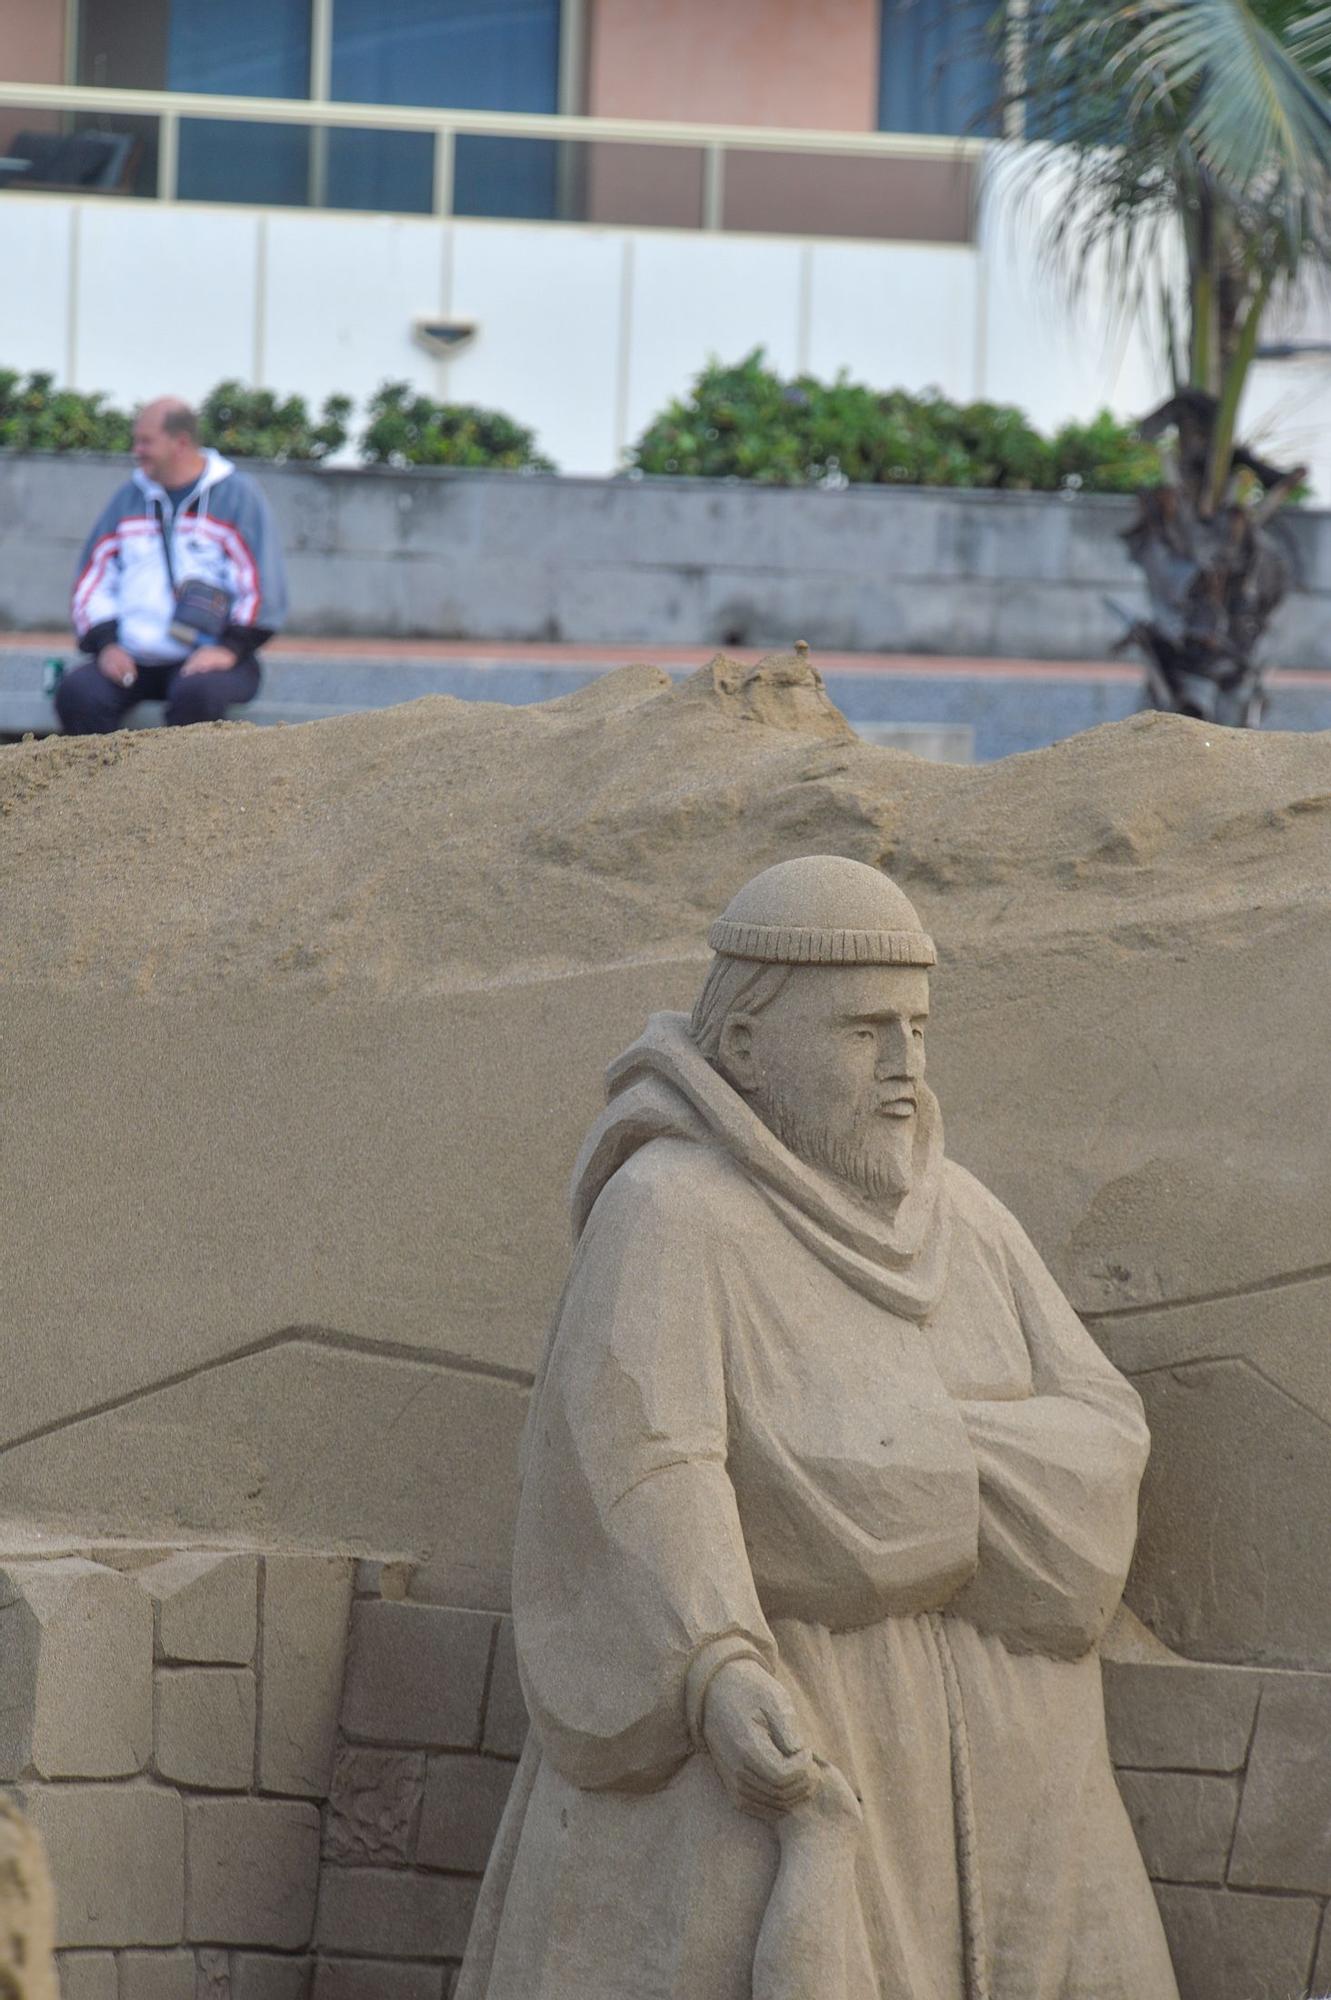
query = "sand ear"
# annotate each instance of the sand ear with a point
(27, 1912)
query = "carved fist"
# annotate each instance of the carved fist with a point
(753, 1738)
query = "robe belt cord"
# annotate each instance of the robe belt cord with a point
(975, 1947)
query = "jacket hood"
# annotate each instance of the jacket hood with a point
(215, 468)
(662, 1087)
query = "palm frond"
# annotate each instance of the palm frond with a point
(1255, 113)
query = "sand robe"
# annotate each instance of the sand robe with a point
(884, 1457)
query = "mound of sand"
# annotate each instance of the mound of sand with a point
(302, 1027)
(446, 844)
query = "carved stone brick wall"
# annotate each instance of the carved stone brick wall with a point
(1226, 1774)
(278, 1777)
(169, 1726)
(1224, 1771)
(432, 1727)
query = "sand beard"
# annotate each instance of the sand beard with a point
(870, 1154)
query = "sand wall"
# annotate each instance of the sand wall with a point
(301, 1029)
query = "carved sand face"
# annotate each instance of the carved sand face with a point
(833, 1064)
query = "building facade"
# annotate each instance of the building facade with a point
(561, 208)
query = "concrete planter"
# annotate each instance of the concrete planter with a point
(489, 555)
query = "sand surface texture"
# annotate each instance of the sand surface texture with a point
(301, 1028)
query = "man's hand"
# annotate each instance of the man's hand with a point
(750, 1730)
(209, 660)
(116, 664)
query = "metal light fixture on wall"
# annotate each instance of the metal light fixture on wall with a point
(443, 338)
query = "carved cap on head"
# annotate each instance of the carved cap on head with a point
(822, 910)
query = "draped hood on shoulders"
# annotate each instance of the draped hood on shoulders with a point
(663, 1087)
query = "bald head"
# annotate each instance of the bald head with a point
(166, 441)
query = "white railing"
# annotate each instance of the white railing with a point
(169, 107)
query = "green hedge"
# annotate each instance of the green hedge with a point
(406, 429)
(745, 422)
(36, 417)
(254, 423)
(403, 428)
(740, 422)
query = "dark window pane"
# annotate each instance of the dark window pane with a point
(500, 56)
(222, 160)
(940, 70)
(513, 177)
(392, 170)
(247, 48)
(122, 45)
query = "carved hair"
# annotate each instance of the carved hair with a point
(733, 986)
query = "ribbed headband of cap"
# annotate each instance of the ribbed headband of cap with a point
(771, 944)
(822, 909)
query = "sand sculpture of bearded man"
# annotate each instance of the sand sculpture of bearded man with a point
(827, 1499)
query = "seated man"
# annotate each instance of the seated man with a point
(180, 584)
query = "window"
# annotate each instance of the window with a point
(488, 55)
(493, 55)
(940, 71)
(247, 48)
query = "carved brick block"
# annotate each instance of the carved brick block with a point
(76, 1667)
(306, 1602)
(207, 1607)
(374, 1806)
(253, 1872)
(205, 1727)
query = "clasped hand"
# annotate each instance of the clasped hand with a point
(753, 1737)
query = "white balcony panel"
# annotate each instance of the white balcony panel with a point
(35, 292)
(341, 297)
(895, 315)
(165, 298)
(693, 298)
(548, 305)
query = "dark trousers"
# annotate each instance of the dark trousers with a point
(88, 704)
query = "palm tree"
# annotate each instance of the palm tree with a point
(1192, 136)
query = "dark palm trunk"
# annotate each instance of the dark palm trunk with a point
(1213, 579)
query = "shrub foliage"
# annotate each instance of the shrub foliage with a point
(407, 429)
(254, 423)
(745, 422)
(35, 416)
(738, 422)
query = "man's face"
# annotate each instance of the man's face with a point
(834, 1064)
(165, 457)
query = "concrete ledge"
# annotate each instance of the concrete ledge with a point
(484, 555)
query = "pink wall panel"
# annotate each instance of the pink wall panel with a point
(810, 63)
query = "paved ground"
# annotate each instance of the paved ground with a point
(1009, 705)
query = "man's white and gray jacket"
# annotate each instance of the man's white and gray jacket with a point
(222, 534)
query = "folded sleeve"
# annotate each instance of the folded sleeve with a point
(1059, 1475)
(631, 1581)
